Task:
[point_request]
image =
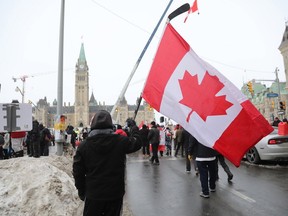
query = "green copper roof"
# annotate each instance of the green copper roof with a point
(82, 58)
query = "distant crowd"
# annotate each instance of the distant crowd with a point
(35, 143)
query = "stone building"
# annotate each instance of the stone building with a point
(284, 51)
(80, 113)
(267, 100)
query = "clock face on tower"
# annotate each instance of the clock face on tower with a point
(81, 66)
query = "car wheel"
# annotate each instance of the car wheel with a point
(252, 156)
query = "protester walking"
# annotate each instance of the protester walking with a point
(99, 166)
(45, 139)
(70, 131)
(207, 166)
(34, 135)
(161, 147)
(144, 131)
(179, 141)
(168, 141)
(154, 139)
(186, 140)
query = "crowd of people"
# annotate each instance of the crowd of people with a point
(99, 159)
(35, 143)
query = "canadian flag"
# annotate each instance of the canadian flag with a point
(185, 88)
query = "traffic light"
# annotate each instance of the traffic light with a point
(250, 87)
(150, 108)
(272, 104)
(282, 105)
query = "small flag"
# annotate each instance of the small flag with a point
(193, 9)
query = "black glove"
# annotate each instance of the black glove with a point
(81, 195)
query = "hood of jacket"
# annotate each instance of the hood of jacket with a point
(101, 120)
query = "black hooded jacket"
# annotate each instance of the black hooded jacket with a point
(100, 160)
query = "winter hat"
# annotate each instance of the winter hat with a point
(101, 120)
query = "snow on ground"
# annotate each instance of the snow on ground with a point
(40, 187)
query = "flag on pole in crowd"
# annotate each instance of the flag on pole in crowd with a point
(185, 88)
(193, 9)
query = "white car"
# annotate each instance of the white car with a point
(273, 147)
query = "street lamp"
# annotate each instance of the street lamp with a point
(21, 92)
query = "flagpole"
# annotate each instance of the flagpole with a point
(178, 11)
(138, 61)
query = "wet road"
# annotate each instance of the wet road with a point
(168, 190)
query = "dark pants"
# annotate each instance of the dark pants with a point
(145, 148)
(188, 163)
(169, 149)
(44, 148)
(208, 173)
(35, 149)
(101, 208)
(221, 160)
(179, 145)
(1, 153)
(155, 152)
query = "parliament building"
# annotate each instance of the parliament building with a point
(79, 114)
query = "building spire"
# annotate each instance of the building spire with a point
(82, 58)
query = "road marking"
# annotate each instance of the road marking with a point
(237, 193)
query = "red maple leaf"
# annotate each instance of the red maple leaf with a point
(201, 98)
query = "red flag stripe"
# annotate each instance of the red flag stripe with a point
(162, 71)
(238, 137)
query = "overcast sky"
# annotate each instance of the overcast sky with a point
(238, 37)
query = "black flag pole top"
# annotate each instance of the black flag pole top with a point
(182, 9)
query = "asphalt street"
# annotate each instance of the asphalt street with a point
(168, 190)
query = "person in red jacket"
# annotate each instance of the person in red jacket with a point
(120, 131)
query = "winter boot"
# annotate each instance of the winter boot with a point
(229, 174)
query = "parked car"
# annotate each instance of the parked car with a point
(273, 147)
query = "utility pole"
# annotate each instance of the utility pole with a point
(22, 92)
(278, 86)
(60, 141)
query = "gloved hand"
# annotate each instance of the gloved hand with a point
(81, 195)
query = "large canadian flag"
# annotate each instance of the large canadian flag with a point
(185, 88)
